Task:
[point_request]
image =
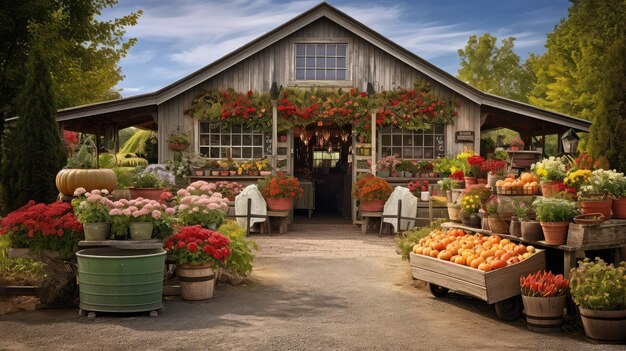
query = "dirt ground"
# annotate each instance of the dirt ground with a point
(315, 288)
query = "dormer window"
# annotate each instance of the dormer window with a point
(321, 61)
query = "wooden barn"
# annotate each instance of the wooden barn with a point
(322, 47)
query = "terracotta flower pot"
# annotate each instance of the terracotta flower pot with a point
(602, 206)
(372, 205)
(555, 233)
(604, 325)
(481, 181)
(619, 208)
(281, 204)
(215, 173)
(470, 181)
(514, 148)
(544, 314)
(199, 172)
(531, 231)
(548, 187)
(232, 173)
(224, 173)
(178, 147)
(265, 173)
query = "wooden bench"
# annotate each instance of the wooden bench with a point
(369, 219)
(283, 220)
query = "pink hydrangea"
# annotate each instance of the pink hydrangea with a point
(156, 214)
(170, 211)
(79, 191)
(115, 212)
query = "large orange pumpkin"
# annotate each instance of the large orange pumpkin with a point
(68, 180)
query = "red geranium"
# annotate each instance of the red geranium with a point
(495, 167)
(371, 188)
(458, 175)
(418, 186)
(476, 166)
(197, 246)
(40, 226)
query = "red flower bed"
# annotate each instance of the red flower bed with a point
(40, 226)
(197, 246)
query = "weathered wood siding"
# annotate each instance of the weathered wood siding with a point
(366, 63)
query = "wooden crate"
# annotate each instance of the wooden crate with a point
(606, 233)
(493, 286)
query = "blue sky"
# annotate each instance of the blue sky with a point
(178, 37)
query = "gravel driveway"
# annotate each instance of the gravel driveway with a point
(319, 287)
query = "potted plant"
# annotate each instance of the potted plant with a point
(520, 213)
(229, 190)
(555, 214)
(474, 171)
(598, 290)
(496, 224)
(618, 193)
(495, 169)
(197, 252)
(266, 168)
(207, 211)
(371, 192)
(543, 295)
(139, 216)
(178, 139)
(92, 211)
(151, 182)
(197, 164)
(551, 172)
(419, 188)
(43, 227)
(386, 167)
(233, 166)
(406, 168)
(471, 204)
(425, 169)
(279, 191)
(224, 166)
(516, 144)
(447, 184)
(81, 172)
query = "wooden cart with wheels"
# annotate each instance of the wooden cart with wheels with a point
(500, 287)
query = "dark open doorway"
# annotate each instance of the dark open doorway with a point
(321, 155)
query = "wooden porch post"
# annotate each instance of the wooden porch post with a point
(373, 142)
(274, 135)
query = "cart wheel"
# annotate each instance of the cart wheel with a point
(81, 312)
(510, 309)
(91, 315)
(154, 314)
(438, 291)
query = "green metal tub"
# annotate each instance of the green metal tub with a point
(113, 280)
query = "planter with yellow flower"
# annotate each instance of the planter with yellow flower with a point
(593, 188)
(551, 171)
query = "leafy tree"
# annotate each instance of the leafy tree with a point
(494, 69)
(83, 51)
(569, 74)
(608, 132)
(35, 152)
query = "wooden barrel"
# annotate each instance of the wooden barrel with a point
(544, 314)
(196, 282)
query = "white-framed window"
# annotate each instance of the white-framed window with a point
(413, 145)
(322, 158)
(321, 61)
(222, 141)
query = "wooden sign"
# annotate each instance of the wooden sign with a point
(464, 137)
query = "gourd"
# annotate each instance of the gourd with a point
(81, 172)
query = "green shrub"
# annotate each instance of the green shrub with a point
(598, 286)
(405, 241)
(130, 160)
(555, 210)
(240, 261)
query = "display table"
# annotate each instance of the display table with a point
(569, 251)
(522, 159)
(369, 219)
(243, 180)
(307, 201)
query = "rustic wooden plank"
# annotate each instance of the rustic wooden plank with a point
(449, 269)
(453, 283)
(277, 213)
(607, 232)
(504, 282)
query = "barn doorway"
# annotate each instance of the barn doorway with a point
(321, 162)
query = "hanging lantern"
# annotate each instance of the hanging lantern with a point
(306, 142)
(302, 136)
(320, 141)
(326, 135)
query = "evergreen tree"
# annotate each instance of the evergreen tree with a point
(608, 132)
(33, 151)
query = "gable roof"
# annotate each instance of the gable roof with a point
(321, 10)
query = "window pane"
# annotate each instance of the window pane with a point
(331, 62)
(331, 50)
(257, 139)
(407, 152)
(299, 74)
(205, 140)
(319, 74)
(310, 74)
(386, 151)
(396, 151)
(247, 140)
(299, 62)
(224, 152)
(428, 152)
(341, 74)
(321, 49)
(320, 63)
(204, 127)
(236, 139)
(341, 49)
(225, 140)
(310, 49)
(236, 152)
(225, 129)
(215, 139)
(396, 140)
(419, 140)
(418, 153)
(237, 128)
(341, 62)
(204, 151)
(246, 152)
(300, 49)
(331, 75)
(428, 140)
(386, 141)
(310, 62)
(407, 140)
(257, 152)
(215, 152)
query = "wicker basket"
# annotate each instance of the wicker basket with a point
(498, 226)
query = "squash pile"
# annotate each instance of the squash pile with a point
(526, 184)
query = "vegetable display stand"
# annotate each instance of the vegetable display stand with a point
(500, 287)
(114, 280)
